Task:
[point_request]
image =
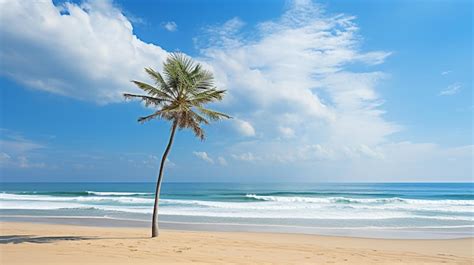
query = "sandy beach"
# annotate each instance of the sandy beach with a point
(28, 243)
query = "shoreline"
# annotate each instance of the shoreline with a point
(54, 244)
(355, 232)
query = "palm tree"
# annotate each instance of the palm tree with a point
(179, 96)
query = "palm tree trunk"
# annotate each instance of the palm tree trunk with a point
(154, 225)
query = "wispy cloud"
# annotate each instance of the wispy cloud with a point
(447, 72)
(282, 87)
(451, 89)
(16, 151)
(24, 162)
(222, 161)
(248, 156)
(204, 156)
(169, 163)
(221, 35)
(170, 26)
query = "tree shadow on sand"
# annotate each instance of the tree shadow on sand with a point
(18, 239)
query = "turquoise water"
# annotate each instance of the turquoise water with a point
(422, 210)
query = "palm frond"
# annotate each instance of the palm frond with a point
(213, 115)
(199, 132)
(199, 118)
(201, 80)
(146, 99)
(178, 68)
(150, 117)
(160, 82)
(167, 113)
(192, 121)
(180, 93)
(153, 91)
(207, 96)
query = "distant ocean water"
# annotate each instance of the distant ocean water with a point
(392, 210)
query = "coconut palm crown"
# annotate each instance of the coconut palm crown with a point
(179, 96)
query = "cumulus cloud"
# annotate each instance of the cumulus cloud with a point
(296, 77)
(451, 90)
(244, 127)
(170, 26)
(204, 156)
(296, 81)
(86, 51)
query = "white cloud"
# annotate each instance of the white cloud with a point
(204, 156)
(4, 157)
(85, 51)
(287, 132)
(316, 152)
(23, 162)
(16, 151)
(446, 72)
(169, 163)
(363, 151)
(408, 161)
(295, 77)
(222, 161)
(140, 160)
(221, 35)
(14, 143)
(244, 127)
(451, 90)
(245, 157)
(19, 145)
(170, 26)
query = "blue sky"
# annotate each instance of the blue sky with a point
(319, 91)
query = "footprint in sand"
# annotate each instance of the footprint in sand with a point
(180, 250)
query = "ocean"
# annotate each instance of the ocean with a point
(380, 210)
